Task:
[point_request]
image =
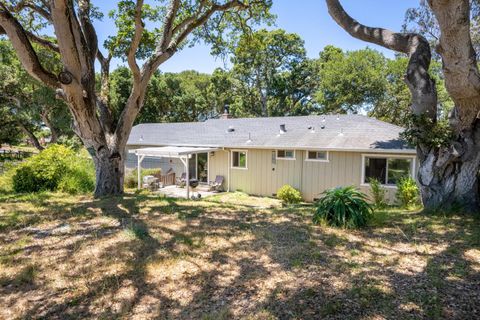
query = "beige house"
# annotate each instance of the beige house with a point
(259, 155)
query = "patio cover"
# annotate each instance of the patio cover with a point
(171, 152)
(182, 153)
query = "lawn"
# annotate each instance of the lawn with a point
(230, 256)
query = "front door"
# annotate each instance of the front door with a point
(202, 167)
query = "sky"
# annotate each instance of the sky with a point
(308, 18)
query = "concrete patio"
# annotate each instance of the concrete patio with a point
(177, 192)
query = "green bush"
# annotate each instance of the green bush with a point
(407, 192)
(344, 207)
(131, 178)
(378, 193)
(289, 195)
(55, 168)
(80, 177)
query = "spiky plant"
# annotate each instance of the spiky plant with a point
(344, 207)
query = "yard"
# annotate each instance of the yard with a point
(231, 256)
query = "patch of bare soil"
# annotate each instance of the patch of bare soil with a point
(145, 257)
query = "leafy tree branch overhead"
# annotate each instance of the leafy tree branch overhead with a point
(176, 23)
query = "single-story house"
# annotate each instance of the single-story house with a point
(259, 155)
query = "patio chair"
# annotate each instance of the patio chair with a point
(181, 181)
(217, 184)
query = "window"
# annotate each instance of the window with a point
(397, 169)
(387, 170)
(317, 156)
(239, 159)
(286, 154)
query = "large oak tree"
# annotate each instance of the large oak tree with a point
(448, 172)
(75, 39)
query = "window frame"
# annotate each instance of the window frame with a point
(246, 159)
(327, 159)
(285, 158)
(413, 167)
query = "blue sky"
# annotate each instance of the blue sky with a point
(308, 18)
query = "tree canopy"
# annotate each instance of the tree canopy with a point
(149, 34)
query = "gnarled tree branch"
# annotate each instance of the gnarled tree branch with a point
(462, 77)
(421, 85)
(137, 37)
(27, 55)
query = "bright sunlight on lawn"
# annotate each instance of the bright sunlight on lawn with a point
(230, 256)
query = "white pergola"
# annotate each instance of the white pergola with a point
(182, 153)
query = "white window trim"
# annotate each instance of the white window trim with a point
(386, 156)
(283, 158)
(317, 160)
(231, 159)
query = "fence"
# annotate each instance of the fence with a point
(10, 157)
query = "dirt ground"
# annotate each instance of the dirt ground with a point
(229, 257)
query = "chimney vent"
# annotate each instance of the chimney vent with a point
(283, 129)
(226, 112)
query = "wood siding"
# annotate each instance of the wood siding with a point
(265, 174)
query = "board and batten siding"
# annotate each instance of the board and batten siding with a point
(265, 175)
(219, 166)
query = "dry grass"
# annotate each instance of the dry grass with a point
(234, 256)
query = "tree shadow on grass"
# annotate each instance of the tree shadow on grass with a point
(188, 260)
(446, 287)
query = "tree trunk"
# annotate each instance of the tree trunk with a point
(33, 139)
(448, 177)
(49, 124)
(109, 169)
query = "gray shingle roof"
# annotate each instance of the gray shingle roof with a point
(331, 132)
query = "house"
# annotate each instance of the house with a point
(259, 155)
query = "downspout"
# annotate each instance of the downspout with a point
(229, 165)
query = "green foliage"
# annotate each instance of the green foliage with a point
(378, 193)
(350, 80)
(131, 179)
(344, 207)
(42, 171)
(407, 192)
(273, 76)
(6, 179)
(72, 142)
(289, 195)
(55, 168)
(220, 30)
(425, 131)
(80, 174)
(24, 102)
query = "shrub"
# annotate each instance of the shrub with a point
(131, 178)
(344, 207)
(80, 177)
(378, 193)
(289, 194)
(407, 192)
(42, 171)
(55, 168)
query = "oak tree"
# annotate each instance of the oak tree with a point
(175, 22)
(449, 169)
